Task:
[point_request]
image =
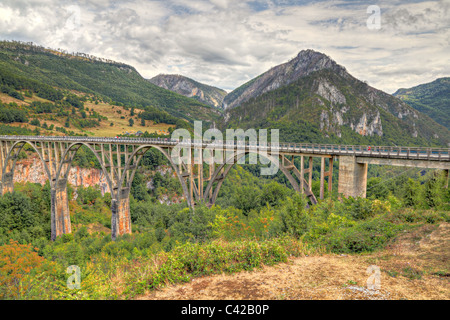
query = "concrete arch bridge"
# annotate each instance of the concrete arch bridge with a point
(201, 167)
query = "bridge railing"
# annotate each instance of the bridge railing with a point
(440, 154)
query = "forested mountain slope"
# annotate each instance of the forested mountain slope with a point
(432, 98)
(26, 66)
(313, 99)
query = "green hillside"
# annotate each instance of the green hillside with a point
(46, 72)
(431, 98)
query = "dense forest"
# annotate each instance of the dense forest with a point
(430, 98)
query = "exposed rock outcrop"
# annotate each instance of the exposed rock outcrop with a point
(306, 62)
(190, 88)
(32, 170)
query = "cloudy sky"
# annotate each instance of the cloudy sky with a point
(228, 42)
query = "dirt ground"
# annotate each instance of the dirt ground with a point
(416, 266)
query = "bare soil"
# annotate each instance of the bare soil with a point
(414, 266)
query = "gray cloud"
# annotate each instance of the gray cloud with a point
(227, 42)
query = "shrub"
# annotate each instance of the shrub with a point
(360, 208)
(19, 266)
(295, 219)
(88, 195)
(366, 236)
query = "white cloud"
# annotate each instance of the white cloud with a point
(227, 42)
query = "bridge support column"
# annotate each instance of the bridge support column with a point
(446, 178)
(121, 219)
(60, 214)
(352, 177)
(324, 174)
(7, 183)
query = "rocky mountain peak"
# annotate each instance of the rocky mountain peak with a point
(305, 63)
(308, 61)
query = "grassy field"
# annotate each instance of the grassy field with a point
(121, 126)
(117, 115)
(8, 99)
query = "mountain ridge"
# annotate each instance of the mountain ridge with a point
(306, 62)
(188, 87)
(432, 98)
(313, 91)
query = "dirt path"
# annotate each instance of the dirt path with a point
(415, 266)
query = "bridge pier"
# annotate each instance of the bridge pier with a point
(324, 174)
(7, 183)
(352, 180)
(60, 214)
(446, 178)
(120, 219)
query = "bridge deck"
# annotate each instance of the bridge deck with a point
(391, 152)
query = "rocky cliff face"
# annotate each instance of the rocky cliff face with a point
(32, 170)
(190, 88)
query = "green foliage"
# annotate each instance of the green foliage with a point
(173, 244)
(9, 130)
(360, 208)
(11, 92)
(364, 237)
(242, 190)
(9, 115)
(22, 216)
(193, 226)
(35, 122)
(294, 217)
(85, 158)
(9, 77)
(43, 107)
(88, 195)
(74, 101)
(159, 116)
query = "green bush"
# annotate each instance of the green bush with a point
(366, 236)
(295, 219)
(88, 195)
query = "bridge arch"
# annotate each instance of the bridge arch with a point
(67, 161)
(222, 171)
(9, 164)
(133, 161)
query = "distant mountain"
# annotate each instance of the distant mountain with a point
(190, 88)
(313, 99)
(114, 82)
(432, 98)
